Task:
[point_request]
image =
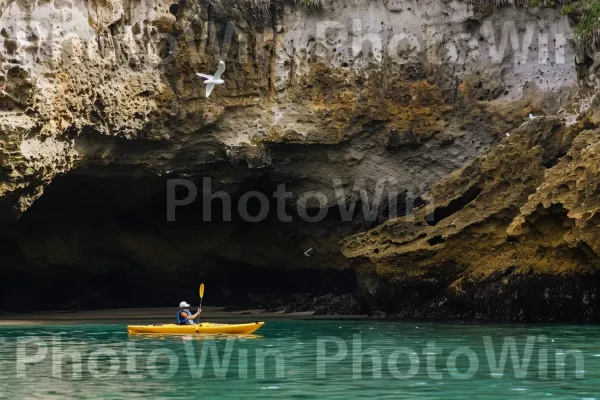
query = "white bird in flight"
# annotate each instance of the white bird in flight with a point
(212, 80)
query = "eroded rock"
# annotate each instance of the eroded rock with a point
(101, 105)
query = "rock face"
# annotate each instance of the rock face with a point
(100, 107)
(511, 236)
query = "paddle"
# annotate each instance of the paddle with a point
(201, 293)
(201, 296)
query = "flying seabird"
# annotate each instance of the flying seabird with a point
(212, 80)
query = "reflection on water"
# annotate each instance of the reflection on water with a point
(325, 359)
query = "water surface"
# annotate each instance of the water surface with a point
(325, 359)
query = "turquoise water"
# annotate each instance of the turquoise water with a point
(304, 359)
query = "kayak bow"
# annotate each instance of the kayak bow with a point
(205, 327)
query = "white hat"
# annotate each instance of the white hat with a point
(183, 304)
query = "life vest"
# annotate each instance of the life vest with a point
(184, 321)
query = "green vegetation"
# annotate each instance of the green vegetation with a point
(586, 14)
(519, 3)
(262, 7)
(312, 3)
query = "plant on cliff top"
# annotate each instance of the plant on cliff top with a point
(586, 14)
(313, 4)
(258, 7)
(261, 7)
(520, 3)
(310, 3)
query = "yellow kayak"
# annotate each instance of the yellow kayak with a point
(205, 327)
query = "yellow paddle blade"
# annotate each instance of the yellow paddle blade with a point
(201, 290)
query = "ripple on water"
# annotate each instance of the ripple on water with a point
(298, 342)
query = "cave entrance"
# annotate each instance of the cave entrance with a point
(104, 242)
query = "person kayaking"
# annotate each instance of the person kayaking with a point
(185, 316)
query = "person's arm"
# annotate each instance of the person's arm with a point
(193, 317)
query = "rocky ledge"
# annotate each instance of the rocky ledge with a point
(511, 236)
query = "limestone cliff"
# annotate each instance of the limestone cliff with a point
(100, 106)
(511, 236)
